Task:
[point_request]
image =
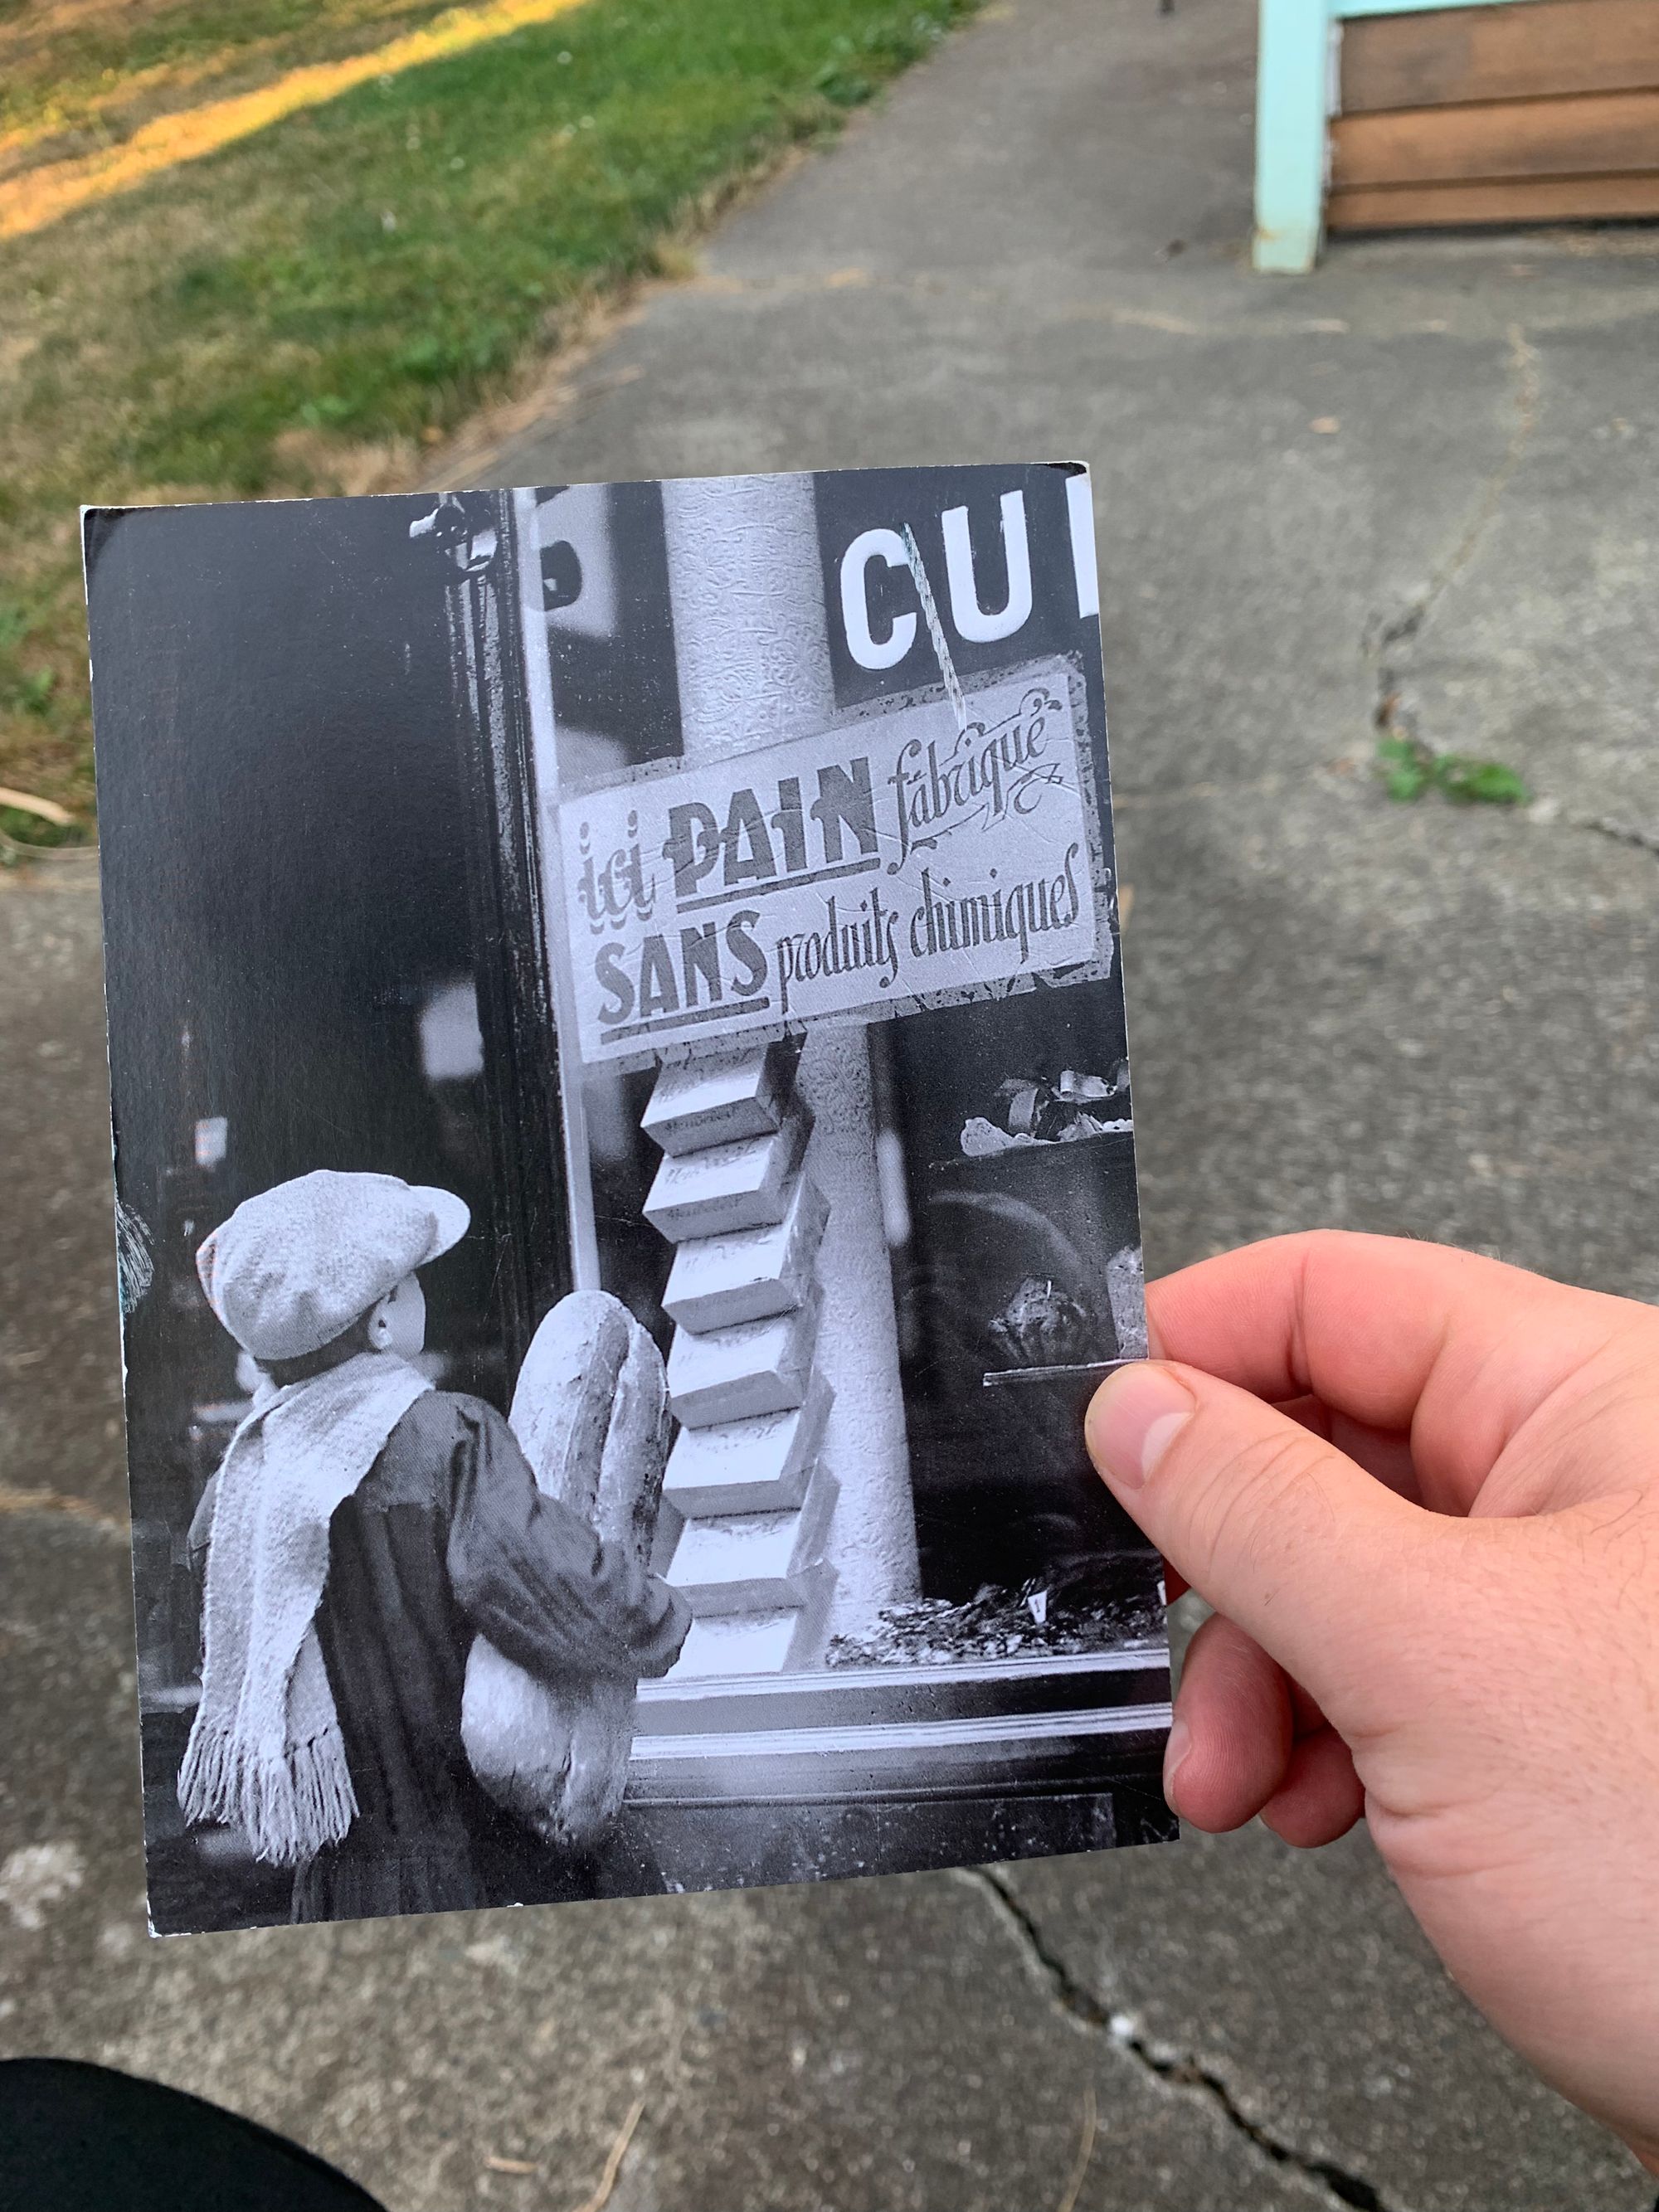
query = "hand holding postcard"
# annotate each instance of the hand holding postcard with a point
(626, 1183)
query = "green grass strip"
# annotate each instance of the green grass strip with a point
(370, 273)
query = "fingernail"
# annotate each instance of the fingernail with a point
(1135, 1417)
(1174, 1751)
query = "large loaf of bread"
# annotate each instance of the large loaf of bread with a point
(591, 1410)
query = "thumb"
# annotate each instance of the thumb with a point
(1278, 1530)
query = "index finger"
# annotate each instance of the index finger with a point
(1447, 1346)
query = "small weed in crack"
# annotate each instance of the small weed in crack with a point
(1408, 767)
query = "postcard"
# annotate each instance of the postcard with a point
(625, 1178)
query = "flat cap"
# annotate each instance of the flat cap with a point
(296, 1266)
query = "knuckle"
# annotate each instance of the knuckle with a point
(1244, 1506)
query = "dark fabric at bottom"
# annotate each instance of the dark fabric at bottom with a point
(77, 2138)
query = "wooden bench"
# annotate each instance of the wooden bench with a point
(1398, 114)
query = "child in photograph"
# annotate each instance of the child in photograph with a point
(362, 1529)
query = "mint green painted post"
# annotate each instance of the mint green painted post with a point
(1292, 106)
(1295, 96)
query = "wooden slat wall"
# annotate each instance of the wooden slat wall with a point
(1593, 136)
(1548, 199)
(1535, 111)
(1541, 51)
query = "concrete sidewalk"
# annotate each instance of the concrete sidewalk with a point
(1417, 483)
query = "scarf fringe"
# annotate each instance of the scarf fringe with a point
(289, 1806)
(265, 1752)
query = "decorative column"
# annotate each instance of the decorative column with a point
(1296, 71)
(787, 1501)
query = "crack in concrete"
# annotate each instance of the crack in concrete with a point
(1523, 360)
(1183, 2074)
(1622, 833)
(1389, 716)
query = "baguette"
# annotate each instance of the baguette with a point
(591, 1410)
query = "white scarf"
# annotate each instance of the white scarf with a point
(265, 1751)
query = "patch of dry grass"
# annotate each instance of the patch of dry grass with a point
(310, 309)
(80, 74)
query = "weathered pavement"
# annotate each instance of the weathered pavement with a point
(1425, 471)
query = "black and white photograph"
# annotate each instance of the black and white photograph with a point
(625, 1172)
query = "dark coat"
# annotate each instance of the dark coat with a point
(447, 1538)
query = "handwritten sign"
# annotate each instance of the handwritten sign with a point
(873, 864)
